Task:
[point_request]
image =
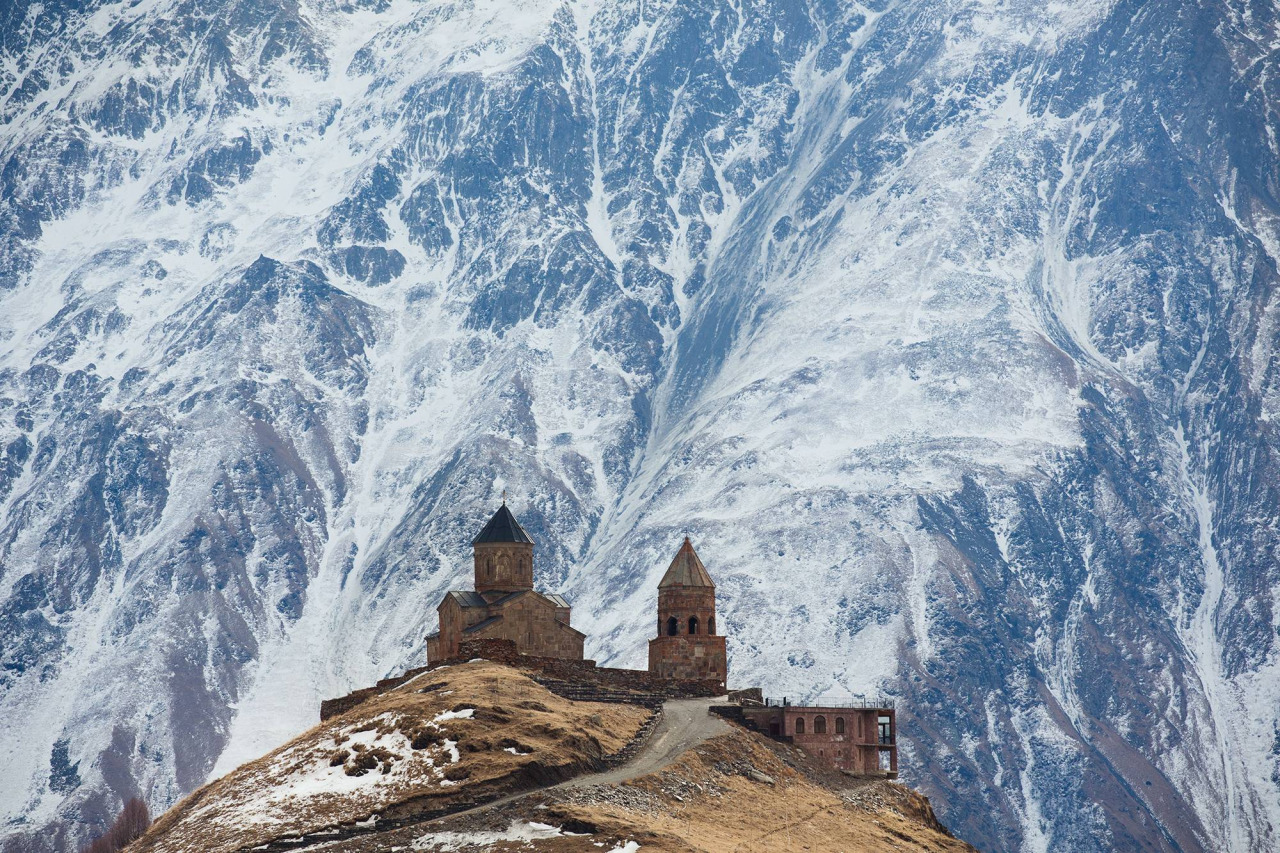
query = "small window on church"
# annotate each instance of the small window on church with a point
(799, 725)
(673, 626)
(711, 624)
(839, 725)
(819, 725)
(693, 624)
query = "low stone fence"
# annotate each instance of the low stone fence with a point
(735, 714)
(579, 680)
(637, 743)
(334, 707)
(636, 681)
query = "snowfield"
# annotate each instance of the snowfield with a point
(946, 329)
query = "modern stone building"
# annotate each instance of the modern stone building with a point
(504, 605)
(687, 646)
(859, 737)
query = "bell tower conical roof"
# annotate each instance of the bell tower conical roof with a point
(686, 569)
(503, 527)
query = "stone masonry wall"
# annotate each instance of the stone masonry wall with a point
(695, 658)
(504, 652)
(856, 749)
(504, 566)
(583, 672)
(530, 622)
(682, 603)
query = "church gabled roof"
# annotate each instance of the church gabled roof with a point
(503, 527)
(686, 569)
(466, 598)
(556, 600)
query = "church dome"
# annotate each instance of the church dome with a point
(502, 528)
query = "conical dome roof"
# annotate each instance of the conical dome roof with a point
(503, 527)
(686, 569)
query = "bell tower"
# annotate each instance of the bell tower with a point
(503, 555)
(686, 645)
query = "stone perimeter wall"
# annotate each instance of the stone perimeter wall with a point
(582, 672)
(343, 704)
(636, 680)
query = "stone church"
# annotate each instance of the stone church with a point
(504, 605)
(687, 646)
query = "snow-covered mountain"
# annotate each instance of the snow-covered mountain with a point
(947, 329)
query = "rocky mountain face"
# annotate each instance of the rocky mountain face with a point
(946, 329)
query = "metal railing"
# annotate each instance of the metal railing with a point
(874, 704)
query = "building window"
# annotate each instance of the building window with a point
(819, 725)
(673, 626)
(693, 624)
(839, 725)
(859, 727)
(886, 732)
(711, 624)
(799, 725)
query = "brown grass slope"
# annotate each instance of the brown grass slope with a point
(736, 793)
(448, 738)
(740, 792)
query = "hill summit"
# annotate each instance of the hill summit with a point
(479, 755)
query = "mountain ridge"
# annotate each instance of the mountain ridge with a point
(290, 291)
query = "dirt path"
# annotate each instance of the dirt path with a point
(685, 724)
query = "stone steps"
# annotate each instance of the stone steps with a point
(580, 691)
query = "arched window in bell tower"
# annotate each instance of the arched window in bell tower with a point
(711, 624)
(693, 624)
(673, 626)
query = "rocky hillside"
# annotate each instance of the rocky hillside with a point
(440, 742)
(408, 770)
